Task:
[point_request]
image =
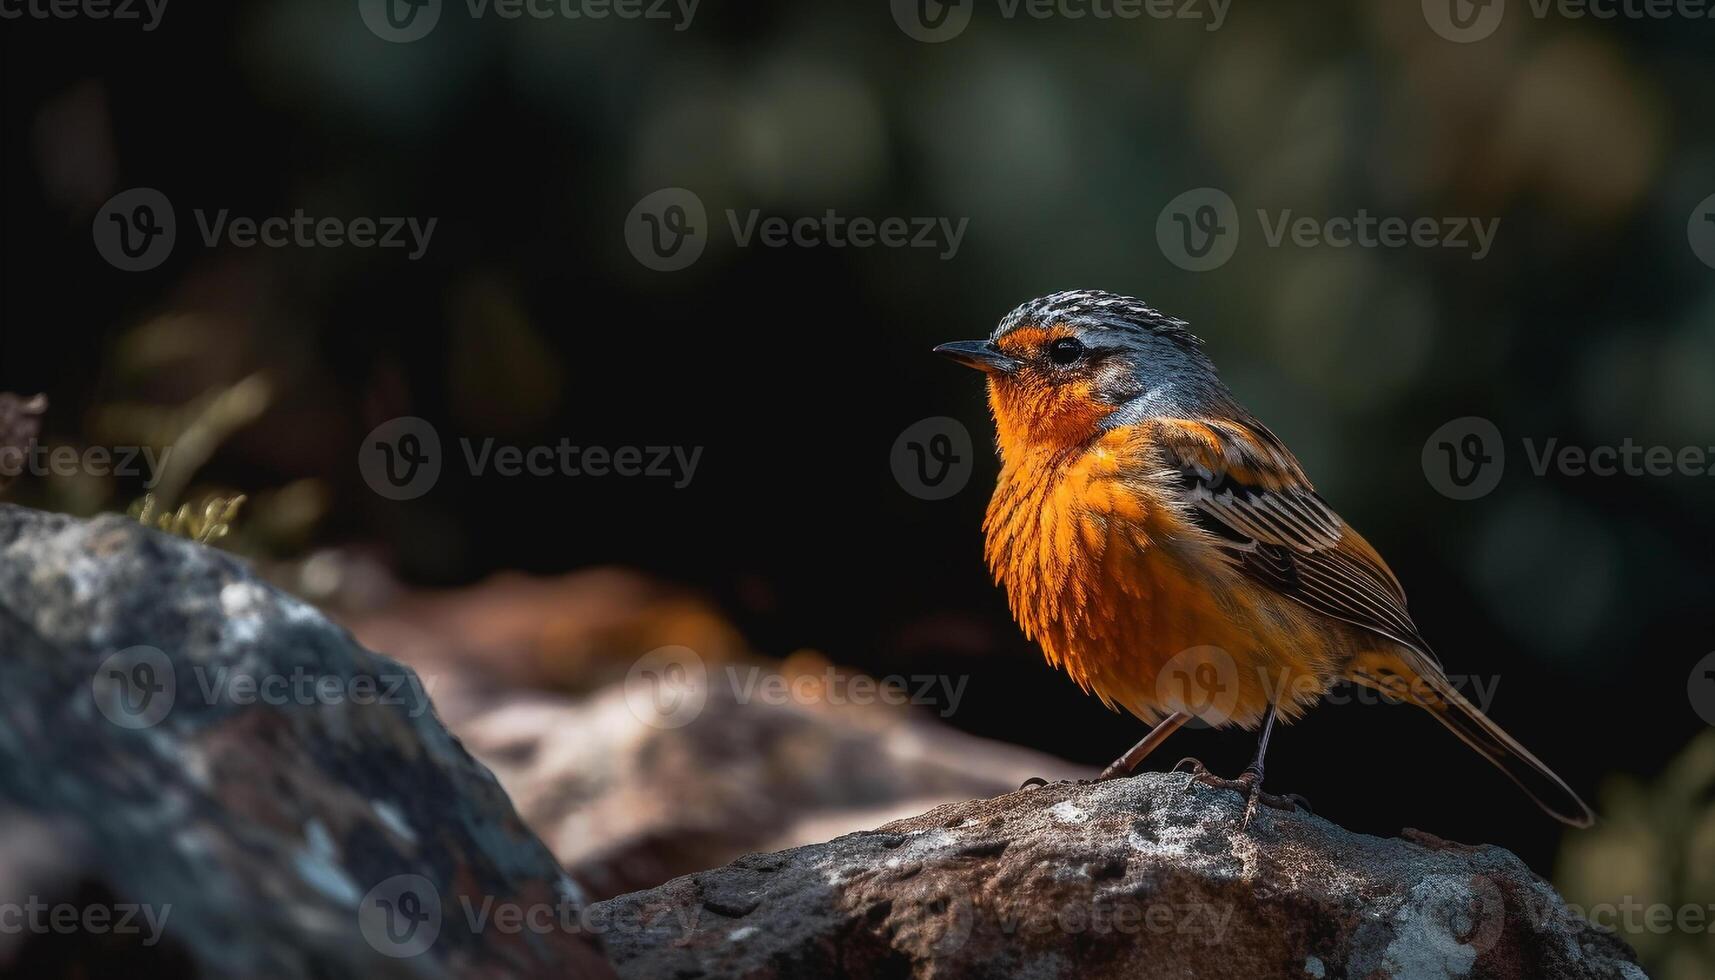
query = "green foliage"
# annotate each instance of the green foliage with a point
(206, 524)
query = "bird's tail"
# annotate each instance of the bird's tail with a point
(1408, 675)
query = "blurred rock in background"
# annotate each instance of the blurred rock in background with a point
(540, 680)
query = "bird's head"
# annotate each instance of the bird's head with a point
(1066, 367)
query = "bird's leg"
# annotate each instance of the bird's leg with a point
(1249, 782)
(1253, 772)
(1123, 765)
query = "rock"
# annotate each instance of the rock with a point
(542, 679)
(1129, 878)
(627, 802)
(202, 776)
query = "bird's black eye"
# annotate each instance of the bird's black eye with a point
(1065, 351)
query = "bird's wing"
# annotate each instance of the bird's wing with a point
(1245, 488)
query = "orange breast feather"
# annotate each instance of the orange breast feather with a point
(1101, 567)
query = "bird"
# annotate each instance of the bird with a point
(1167, 550)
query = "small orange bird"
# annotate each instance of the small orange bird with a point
(1167, 550)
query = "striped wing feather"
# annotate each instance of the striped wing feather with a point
(1247, 490)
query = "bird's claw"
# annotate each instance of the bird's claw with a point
(1035, 781)
(1248, 784)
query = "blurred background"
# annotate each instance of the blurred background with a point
(1056, 143)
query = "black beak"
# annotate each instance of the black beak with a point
(980, 354)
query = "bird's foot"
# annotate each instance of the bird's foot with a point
(1114, 771)
(1035, 781)
(1248, 784)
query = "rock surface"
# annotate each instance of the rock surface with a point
(1130, 878)
(211, 761)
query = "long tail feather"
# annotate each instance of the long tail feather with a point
(1413, 677)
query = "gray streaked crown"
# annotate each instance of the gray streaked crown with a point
(1097, 309)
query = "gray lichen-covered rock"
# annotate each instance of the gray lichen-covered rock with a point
(1142, 877)
(201, 776)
